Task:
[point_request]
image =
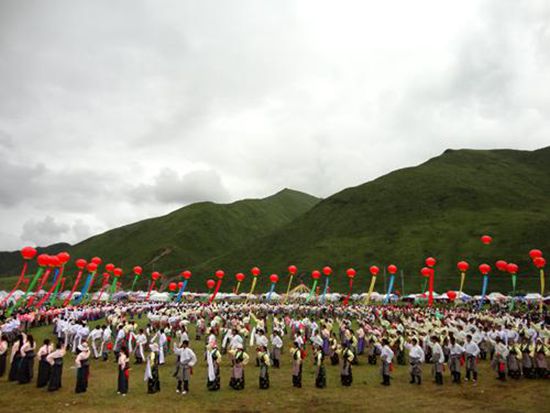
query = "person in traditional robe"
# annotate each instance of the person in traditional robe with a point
(55, 359)
(187, 359)
(82, 364)
(455, 354)
(26, 365)
(347, 357)
(95, 339)
(296, 354)
(263, 358)
(152, 370)
(3, 354)
(123, 362)
(541, 363)
(319, 363)
(276, 348)
(438, 358)
(499, 358)
(416, 359)
(372, 351)
(471, 351)
(513, 360)
(386, 357)
(213, 360)
(239, 359)
(105, 341)
(141, 341)
(44, 368)
(528, 352)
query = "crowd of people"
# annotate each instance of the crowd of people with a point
(453, 338)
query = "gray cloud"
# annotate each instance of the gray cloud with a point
(45, 231)
(112, 112)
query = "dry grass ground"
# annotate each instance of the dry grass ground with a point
(366, 394)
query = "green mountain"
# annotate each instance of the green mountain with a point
(439, 208)
(185, 237)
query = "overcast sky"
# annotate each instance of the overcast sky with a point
(114, 111)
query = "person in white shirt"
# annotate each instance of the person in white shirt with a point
(276, 347)
(499, 359)
(471, 350)
(141, 340)
(416, 359)
(105, 341)
(386, 357)
(95, 336)
(82, 368)
(455, 354)
(187, 359)
(438, 358)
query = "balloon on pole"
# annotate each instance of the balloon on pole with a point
(392, 269)
(219, 275)
(484, 269)
(315, 275)
(292, 270)
(350, 272)
(28, 254)
(137, 273)
(274, 278)
(80, 264)
(374, 270)
(327, 271)
(255, 273)
(239, 277)
(186, 276)
(155, 275)
(540, 263)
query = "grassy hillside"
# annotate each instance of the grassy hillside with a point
(191, 235)
(439, 208)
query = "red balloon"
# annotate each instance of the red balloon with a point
(501, 265)
(539, 262)
(451, 295)
(485, 269)
(486, 239)
(292, 270)
(374, 270)
(239, 277)
(28, 253)
(430, 262)
(96, 260)
(155, 275)
(186, 274)
(351, 272)
(92, 267)
(64, 257)
(255, 271)
(54, 261)
(210, 283)
(220, 274)
(535, 254)
(138, 270)
(109, 267)
(426, 272)
(392, 269)
(274, 278)
(180, 285)
(80, 263)
(512, 268)
(172, 286)
(43, 260)
(463, 266)
(316, 274)
(327, 270)
(117, 272)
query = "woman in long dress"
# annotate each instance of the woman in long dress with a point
(320, 373)
(213, 359)
(44, 368)
(82, 364)
(123, 371)
(26, 367)
(296, 354)
(55, 359)
(152, 370)
(239, 359)
(263, 357)
(15, 357)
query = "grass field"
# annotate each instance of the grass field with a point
(366, 394)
